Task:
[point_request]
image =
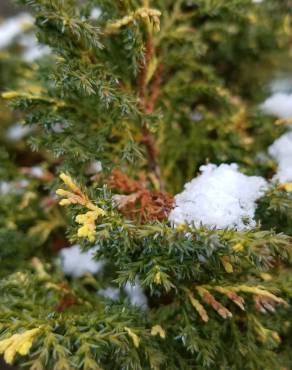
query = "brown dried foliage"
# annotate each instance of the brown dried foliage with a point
(217, 306)
(66, 303)
(137, 202)
(264, 304)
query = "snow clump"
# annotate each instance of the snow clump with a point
(16, 27)
(76, 262)
(279, 105)
(136, 294)
(13, 27)
(221, 197)
(281, 152)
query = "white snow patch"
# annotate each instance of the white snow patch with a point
(109, 292)
(279, 105)
(95, 13)
(33, 50)
(281, 85)
(37, 171)
(136, 294)
(13, 187)
(5, 187)
(220, 197)
(59, 127)
(76, 262)
(94, 168)
(17, 132)
(281, 151)
(13, 27)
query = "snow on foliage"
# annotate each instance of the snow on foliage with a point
(136, 294)
(76, 262)
(279, 105)
(32, 49)
(110, 293)
(95, 13)
(14, 26)
(281, 151)
(17, 132)
(94, 168)
(220, 197)
(281, 84)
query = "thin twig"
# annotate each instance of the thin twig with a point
(142, 83)
(155, 90)
(148, 107)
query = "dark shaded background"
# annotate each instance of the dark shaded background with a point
(5, 8)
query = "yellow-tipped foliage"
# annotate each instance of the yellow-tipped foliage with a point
(199, 307)
(158, 330)
(133, 336)
(18, 344)
(150, 16)
(75, 196)
(263, 299)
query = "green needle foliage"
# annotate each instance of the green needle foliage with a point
(153, 90)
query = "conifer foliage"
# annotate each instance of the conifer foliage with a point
(107, 260)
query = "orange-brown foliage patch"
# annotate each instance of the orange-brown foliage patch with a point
(137, 202)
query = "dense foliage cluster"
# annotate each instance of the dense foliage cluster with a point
(99, 131)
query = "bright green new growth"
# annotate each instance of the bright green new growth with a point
(152, 89)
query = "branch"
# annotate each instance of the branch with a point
(148, 107)
(155, 90)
